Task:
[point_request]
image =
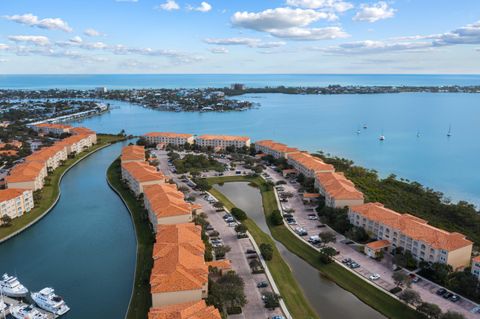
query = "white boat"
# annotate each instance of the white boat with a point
(3, 307)
(27, 312)
(11, 287)
(449, 131)
(382, 138)
(48, 300)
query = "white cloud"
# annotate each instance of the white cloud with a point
(92, 32)
(30, 39)
(4, 46)
(219, 50)
(76, 39)
(176, 57)
(3, 60)
(374, 12)
(311, 34)
(47, 23)
(126, 0)
(169, 5)
(203, 7)
(249, 42)
(375, 47)
(335, 5)
(95, 46)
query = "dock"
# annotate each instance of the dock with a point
(14, 302)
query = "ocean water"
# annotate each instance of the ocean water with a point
(124, 81)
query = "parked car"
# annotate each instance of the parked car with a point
(286, 215)
(415, 278)
(232, 224)
(262, 284)
(250, 251)
(354, 265)
(346, 260)
(291, 221)
(229, 220)
(441, 291)
(301, 231)
(321, 225)
(226, 216)
(447, 295)
(454, 298)
(278, 317)
(209, 227)
(312, 217)
(374, 277)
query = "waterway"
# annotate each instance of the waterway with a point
(329, 300)
(85, 248)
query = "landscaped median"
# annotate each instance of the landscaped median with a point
(374, 297)
(50, 193)
(140, 300)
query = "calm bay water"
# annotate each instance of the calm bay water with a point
(330, 122)
(329, 300)
(84, 248)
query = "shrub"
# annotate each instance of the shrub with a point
(238, 214)
(267, 251)
(276, 218)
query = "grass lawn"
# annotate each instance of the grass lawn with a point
(50, 191)
(369, 294)
(141, 300)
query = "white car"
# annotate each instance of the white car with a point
(375, 277)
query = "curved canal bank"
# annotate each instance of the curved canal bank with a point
(84, 248)
(319, 282)
(140, 299)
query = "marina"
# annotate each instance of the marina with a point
(15, 304)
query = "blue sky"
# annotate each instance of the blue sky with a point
(239, 36)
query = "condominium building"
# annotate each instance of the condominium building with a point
(49, 128)
(425, 242)
(166, 205)
(166, 138)
(308, 165)
(29, 175)
(133, 153)
(53, 156)
(179, 271)
(337, 190)
(137, 175)
(277, 150)
(15, 202)
(187, 310)
(221, 142)
(92, 135)
(77, 143)
(476, 266)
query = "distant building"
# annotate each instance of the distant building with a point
(48, 128)
(476, 267)
(277, 150)
(176, 139)
(238, 87)
(425, 242)
(337, 190)
(101, 89)
(308, 165)
(222, 141)
(133, 153)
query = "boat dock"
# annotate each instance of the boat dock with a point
(14, 302)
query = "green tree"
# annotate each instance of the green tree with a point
(452, 315)
(267, 251)
(410, 296)
(327, 237)
(326, 254)
(276, 218)
(202, 184)
(228, 292)
(271, 300)
(400, 278)
(238, 214)
(241, 228)
(430, 310)
(6, 221)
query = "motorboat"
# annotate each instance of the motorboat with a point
(48, 300)
(11, 287)
(3, 307)
(27, 312)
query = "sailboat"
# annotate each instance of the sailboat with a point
(358, 131)
(449, 131)
(382, 137)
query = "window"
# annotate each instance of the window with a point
(422, 247)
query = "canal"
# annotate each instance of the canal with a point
(329, 300)
(85, 248)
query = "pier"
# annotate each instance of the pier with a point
(11, 302)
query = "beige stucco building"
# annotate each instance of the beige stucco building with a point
(29, 175)
(277, 150)
(308, 165)
(132, 153)
(137, 175)
(15, 202)
(177, 139)
(338, 191)
(221, 142)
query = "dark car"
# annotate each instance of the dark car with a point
(354, 265)
(321, 225)
(454, 298)
(441, 291)
(448, 295)
(262, 284)
(346, 260)
(250, 251)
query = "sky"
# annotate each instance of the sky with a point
(239, 36)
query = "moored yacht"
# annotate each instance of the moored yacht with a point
(3, 307)
(11, 287)
(27, 311)
(48, 300)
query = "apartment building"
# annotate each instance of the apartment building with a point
(277, 150)
(476, 266)
(92, 135)
(76, 143)
(179, 271)
(425, 242)
(15, 202)
(133, 153)
(187, 310)
(166, 205)
(29, 175)
(50, 128)
(177, 139)
(308, 165)
(220, 142)
(53, 156)
(337, 190)
(137, 175)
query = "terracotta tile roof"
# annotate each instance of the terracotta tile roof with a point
(82, 130)
(45, 153)
(53, 126)
(223, 264)
(14, 143)
(25, 172)
(337, 186)
(379, 244)
(278, 147)
(413, 227)
(476, 259)
(224, 138)
(168, 134)
(133, 153)
(311, 195)
(74, 139)
(10, 193)
(188, 310)
(178, 259)
(165, 200)
(8, 153)
(310, 162)
(143, 172)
